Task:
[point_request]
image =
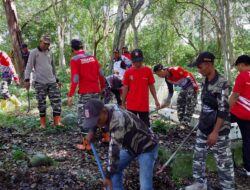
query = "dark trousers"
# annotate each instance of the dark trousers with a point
(144, 116)
(117, 94)
(244, 126)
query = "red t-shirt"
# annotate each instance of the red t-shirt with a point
(138, 81)
(242, 86)
(86, 73)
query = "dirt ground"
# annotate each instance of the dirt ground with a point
(74, 169)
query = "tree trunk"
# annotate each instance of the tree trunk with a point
(15, 33)
(61, 37)
(224, 40)
(123, 23)
(229, 32)
(202, 28)
(136, 38)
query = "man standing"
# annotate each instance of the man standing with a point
(119, 66)
(126, 56)
(213, 127)
(187, 98)
(8, 73)
(130, 139)
(138, 80)
(25, 55)
(239, 102)
(87, 75)
(45, 81)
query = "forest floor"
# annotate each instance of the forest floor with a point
(69, 168)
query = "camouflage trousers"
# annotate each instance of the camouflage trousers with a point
(186, 103)
(4, 90)
(83, 99)
(223, 156)
(52, 91)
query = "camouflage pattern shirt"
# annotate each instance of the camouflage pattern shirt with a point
(217, 89)
(128, 132)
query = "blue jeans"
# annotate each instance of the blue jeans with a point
(146, 164)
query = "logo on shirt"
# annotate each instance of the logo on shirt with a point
(131, 77)
(87, 60)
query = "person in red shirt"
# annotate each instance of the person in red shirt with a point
(239, 103)
(8, 73)
(87, 75)
(187, 98)
(125, 52)
(138, 80)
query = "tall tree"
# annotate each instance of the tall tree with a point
(124, 19)
(15, 33)
(61, 16)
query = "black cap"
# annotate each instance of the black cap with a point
(243, 59)
(158, 67)
(203, 57)
(24, 45)
(125, 47)
(116, 50)
(92, 110)
(76, 44)
(137, 55)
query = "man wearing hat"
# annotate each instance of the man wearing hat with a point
(119, 65)
(87, 75)
(130, 140)
(213, 127)
(239, 102)
(126, 56)
(40, 62)
(138, 80)
(187, 98)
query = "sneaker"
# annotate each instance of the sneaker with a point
(196, 186)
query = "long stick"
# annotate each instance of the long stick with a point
(98, 161)
(28, 95)
(174, 154)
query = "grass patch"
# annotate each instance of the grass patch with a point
(182, 166)
(163, 154)
(237, 154)
(210, 163)
(18, 154)
(162, 126)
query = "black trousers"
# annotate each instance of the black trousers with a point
(144, 116)
(117, 94)
(244, 126)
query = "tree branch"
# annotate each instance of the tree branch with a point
(38, 13)
(202, 7)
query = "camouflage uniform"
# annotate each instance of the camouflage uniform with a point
(4, 90)
(130, 139)
(83, 99)
(186, 102)
(218, 88)
(6, 81)
(52, 91)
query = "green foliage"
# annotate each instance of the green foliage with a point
(237, 154)
(210, 163)
(182, 166)
(18, 154)
(162, 126)
(163, 154)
